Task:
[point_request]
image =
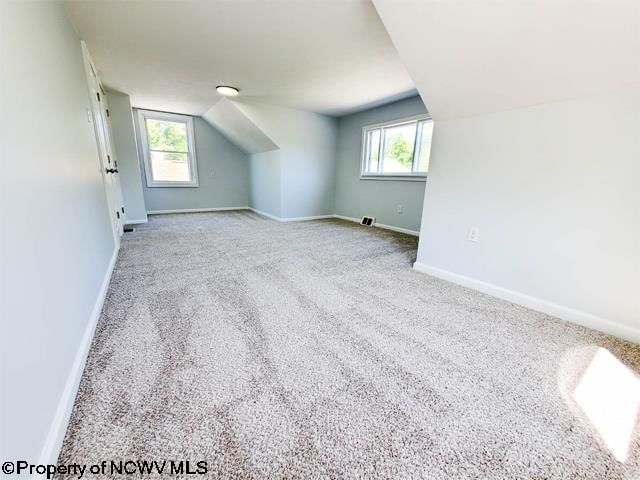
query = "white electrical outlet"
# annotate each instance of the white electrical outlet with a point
(399, 209)
(473, 234)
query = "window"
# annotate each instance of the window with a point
(168, 149)
(397, 149)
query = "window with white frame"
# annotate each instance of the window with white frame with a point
(397, 149)
(168, 149)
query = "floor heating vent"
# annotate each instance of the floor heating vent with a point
(369, 221)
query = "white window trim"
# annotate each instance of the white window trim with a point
(413, 176)
(173, 117)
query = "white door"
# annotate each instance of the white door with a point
(111, 154)
(108, 163)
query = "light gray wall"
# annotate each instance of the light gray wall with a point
(56, 235)
(302, 171)
(124, 139)
(265, 175)
(308, 173)
(555, 192)
(223, 175)
(377, 198)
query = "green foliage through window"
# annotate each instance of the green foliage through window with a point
(401, 150)
(167, 136)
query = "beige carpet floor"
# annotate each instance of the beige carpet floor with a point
(313, 350)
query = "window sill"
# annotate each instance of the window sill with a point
(409, 178)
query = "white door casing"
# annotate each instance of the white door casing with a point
(107, 159)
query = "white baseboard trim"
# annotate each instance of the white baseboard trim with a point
(195, 210)
(136, 221)
(289, 219)
(281, 219)
(304, 219)
(265, 214)
(571, 315)
(381, 225)
(57, 430)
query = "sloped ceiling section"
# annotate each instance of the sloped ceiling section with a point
(327, 57)
(469, 58)
(225, 116)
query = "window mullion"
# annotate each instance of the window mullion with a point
(367, 157)
(416, 147)
(189, 168)
(167, 151)
(380, 150)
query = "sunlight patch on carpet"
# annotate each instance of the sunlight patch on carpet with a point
(609, 395)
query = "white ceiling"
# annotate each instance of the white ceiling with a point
(323, 56)
(470, 57)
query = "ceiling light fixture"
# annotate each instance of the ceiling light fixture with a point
(227, 91)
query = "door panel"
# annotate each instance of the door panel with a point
(115, 174)
(108, 162)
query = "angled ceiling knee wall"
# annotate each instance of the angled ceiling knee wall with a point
(536, 119)
(227, 118)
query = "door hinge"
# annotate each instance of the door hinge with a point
(117, 214)
(122, 208)
(98, 95)
(107, 112)
(108, 158)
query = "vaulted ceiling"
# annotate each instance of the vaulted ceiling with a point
(322, 56)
